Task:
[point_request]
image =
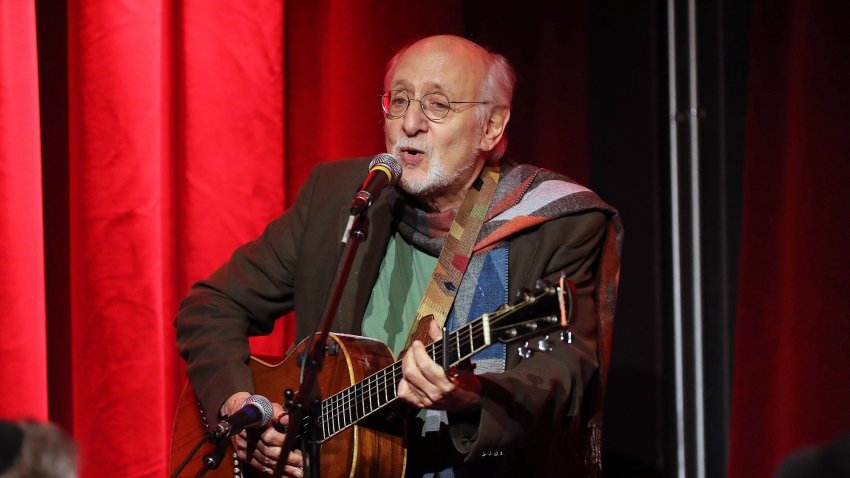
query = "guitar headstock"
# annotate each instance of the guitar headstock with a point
(535, 311)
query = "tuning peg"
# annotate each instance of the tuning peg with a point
(567, 336)
(525, 351)
(544, 344)
(523, 293)
(542, 284)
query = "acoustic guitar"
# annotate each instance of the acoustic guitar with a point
(359, 378)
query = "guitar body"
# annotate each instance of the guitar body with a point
(357, 451)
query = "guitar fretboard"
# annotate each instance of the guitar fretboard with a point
(360, 400)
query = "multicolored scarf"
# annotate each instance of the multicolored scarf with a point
(527, 196)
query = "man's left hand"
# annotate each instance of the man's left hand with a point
(426, 385)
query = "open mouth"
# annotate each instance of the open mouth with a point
(411, 155)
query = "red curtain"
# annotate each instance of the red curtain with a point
(190, 124)
(792, 382)
(23, 375)
(176, 139)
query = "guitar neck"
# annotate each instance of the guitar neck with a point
(352, 404)
(509, 322)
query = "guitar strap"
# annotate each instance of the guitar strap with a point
(455, 254)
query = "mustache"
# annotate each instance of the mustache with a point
(413, 143)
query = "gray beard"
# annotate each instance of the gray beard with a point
(437, 177)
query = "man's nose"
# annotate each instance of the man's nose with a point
(415, 121)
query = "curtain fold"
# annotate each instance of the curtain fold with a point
(175, 160)
(228, 115)
(791, 382)
(117, 222)
(23, 378)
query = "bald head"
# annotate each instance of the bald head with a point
(472, 56)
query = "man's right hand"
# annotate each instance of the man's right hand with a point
(266, 445)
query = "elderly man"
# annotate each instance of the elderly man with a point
(531, 410)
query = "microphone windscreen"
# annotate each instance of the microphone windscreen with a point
(388, 161)
(264, 405)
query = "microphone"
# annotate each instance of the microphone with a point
(256, 411)
(384, 170)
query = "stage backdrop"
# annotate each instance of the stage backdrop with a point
(173, 132)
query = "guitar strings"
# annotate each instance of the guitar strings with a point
(340, 410)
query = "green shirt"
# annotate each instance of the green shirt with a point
(404, 275)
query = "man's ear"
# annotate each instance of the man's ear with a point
(496, 125)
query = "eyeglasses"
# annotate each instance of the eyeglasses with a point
(435, 106)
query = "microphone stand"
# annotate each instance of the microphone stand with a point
(308, 397)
